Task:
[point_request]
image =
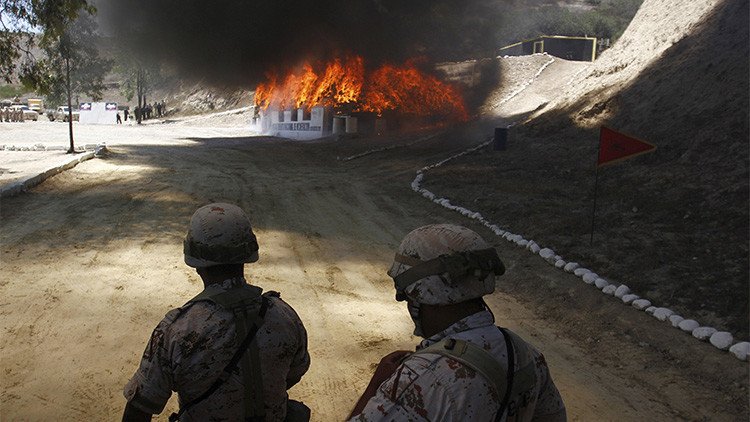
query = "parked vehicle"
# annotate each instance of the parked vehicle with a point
(61, 114)
(36, 104)
(28, 114)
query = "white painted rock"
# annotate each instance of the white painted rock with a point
(721, 340)
(676, 320)
(609, 290)
(688, 325)
(740, 350)
(663, 313)
(600, 283)
(650, 310)
(641, 304)
(590, 278)
(581, 271)
(703, 333)
(546, 253)
(522, 243)
(571, 266)
(534, 248)
(560, 264)
(629, 298)
(622, 291)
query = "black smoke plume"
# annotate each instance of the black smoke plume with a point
(234, 42)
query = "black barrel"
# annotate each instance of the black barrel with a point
(501, 138)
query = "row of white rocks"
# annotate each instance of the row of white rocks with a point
(527, 83)
(41, 147)
(722, 340)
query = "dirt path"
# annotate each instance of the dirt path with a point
(91, 260)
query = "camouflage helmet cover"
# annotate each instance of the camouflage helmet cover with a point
(433, 241)
(219, 233)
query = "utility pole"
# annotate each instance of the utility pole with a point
(70, 106)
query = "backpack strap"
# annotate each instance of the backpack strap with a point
(507, 384)
(525, 375)
(474, 357)
(239, 301)
(511, 366)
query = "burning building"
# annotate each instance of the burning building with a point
(344, 96)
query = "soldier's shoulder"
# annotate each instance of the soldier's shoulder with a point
(187, 312)
(280, 311)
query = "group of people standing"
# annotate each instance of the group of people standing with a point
(9, 114)
(232, 352)
(149, 111)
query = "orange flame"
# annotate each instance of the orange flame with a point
(401, 88)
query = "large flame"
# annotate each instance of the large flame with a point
(345, 83)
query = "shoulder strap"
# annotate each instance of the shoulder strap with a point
(525, 375)
(522, 379)
(239, 300)
(507, 383)
(473, 356)
(512, 369)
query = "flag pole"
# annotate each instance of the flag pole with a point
(596, 186)
(593, 213)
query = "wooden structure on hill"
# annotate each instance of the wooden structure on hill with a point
(568, 48)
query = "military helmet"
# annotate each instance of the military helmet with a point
(219, 233)
(442, 264)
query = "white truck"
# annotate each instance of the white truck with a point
(62, 114)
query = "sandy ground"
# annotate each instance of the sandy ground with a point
(91, 260)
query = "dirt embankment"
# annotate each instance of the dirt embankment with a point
(672, 225)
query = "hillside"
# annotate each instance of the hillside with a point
(672, 225)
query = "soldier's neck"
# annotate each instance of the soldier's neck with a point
(219, 273)
(436, 318)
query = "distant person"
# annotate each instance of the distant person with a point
(230, 353)
(126, 114)
(466, 368)
(119, 120)
(158, 109)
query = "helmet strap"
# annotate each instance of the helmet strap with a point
(480, 263)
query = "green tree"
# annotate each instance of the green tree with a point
(72, 66)
(21, 19)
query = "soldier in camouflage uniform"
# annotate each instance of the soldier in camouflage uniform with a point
(460, 370)
(192, 349)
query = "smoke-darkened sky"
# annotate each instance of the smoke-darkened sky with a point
(234, 42)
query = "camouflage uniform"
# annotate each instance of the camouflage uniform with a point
(192, 345)
(431, 387)
(446, 264)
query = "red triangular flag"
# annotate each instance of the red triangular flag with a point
(614, 146)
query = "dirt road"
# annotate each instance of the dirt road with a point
(92, 259)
